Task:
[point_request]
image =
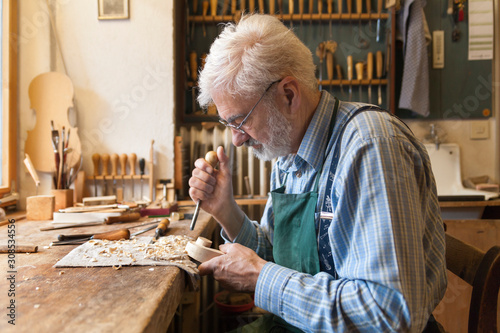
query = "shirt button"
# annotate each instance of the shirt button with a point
(298, 174)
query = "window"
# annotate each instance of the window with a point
(8, 70)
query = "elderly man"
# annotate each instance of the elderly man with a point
(351, 238)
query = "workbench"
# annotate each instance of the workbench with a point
(48, 299)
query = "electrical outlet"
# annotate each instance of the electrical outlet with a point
(479, 130)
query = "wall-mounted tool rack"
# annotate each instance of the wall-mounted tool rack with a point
(359, 28)
(123, 175)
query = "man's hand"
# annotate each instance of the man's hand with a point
(238, 269)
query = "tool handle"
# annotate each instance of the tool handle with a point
(131, 160)
(251, 6)
(213, 7)
(320, 6)
(195, 6)
(359, 70)
(105, 161)
(329, 65)
(205, 5)
(31, 169)
(123, 164)
(163, 226)
(359, 6)
(291, 8)
(62, 238)
(379, 6)
(96, 159)
(193, 65)
(369, 66)
(114, 164)
(349, 6)
(142, 166)
(225, 4)
(311, 7)
(329, 6)
(349, 67)
(18, 248)
(113, 235)
(280, 6)
(368, 6)
(339, 72)
(261, 6)
(233, 7)
(341, 5)
(301, 7)
(380, 64)
(128, 217)
(272, 7)
(243, 5)
(211, 158)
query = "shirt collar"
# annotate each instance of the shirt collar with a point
(313, 146)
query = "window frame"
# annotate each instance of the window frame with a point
(9, 95)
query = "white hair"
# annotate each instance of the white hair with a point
(248, 56)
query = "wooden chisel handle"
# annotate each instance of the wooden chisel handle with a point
(113, 235)
(251, 6)
(233, 7)
(261, 6)
(320, 6)
(379, 6)
(349, 6)
(96, 158)
(105, 162)
(380, 64)
(329, 65)
(123, 164)
(341, 5)
(243, 5)
(18, 248)
(213, 7)
(301, 8)
(369, 6)
(225, 4)
(359, 71)
(195, 6)
(349, 67)
(339, 72)
(128, 217)
(114, 164)
(132, 159)
(329, 6)
(291, 8)
(193, 65)
(369, 66)
(359, 6)
(311, 7)
(272, 7)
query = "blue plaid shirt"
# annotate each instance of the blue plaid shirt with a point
(386, 235)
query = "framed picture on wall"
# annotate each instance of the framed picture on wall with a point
(113, 9)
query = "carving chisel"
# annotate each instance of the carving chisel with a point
(291, 11)
(349, 75)
(96, 158)
(160, 230)
(105, 161)
(123, 172)
(131, 159)
(114, 170)
(261, 6)
(369, 74)
(379, 12)
(379, 66)
(142, 166)
(359, 77)
(211, 158)
(320, 52)
(340, 77)
(82, 238)
(329, 10)
(272, 7)
(205, 5)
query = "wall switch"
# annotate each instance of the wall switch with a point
(438, 49)
(479, 130)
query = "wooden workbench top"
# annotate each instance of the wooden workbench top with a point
(48, 299)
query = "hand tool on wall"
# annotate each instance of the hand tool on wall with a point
(251, 6)
(123, 171)
(349, 75)
(340, 77)
(114, 170)
(32, 171)
(194, 12)
(225, 4)
(349, 12)
(105, 171)
(243, 5)
(280, 8)
(301, 13)
(330, 48)
(126, 217)
(359, 77)
(321, 52)
(142, 167)
(261, 6)
(96, 158)
(369, 74)
(379, 21)
(160, 230)
(213, 8)
(329, 10)
(272, 7)
(369, 11)
(233, 7)
(211, 158)
(131, 160)
(205, 5)
(379, 65)
(363, 43)
(291, 11)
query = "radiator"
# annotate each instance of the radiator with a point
(250, 175)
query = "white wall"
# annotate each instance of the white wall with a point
(122, 72)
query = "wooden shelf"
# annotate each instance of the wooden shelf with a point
(295, 17)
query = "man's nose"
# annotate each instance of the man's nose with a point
(239, 138)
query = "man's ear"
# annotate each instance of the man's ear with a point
(292, 93)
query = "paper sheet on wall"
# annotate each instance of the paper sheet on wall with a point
(480, 29)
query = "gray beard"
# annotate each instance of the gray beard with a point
(280, 142)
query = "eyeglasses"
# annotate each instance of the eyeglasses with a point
(238, 127)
